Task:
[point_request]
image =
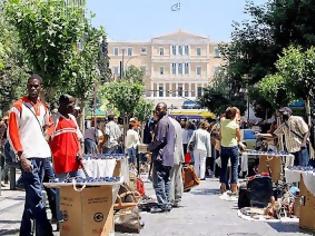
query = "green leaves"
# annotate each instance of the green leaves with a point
(274, 89)
(124, 95)
(295, 77)
(143, 109)
(60, 44)
(217, 96)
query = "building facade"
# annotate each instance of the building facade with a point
(177, 66)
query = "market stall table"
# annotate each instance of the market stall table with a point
(104, 165)
(293, 175)
(275, 162)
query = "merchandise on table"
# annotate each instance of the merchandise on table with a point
(90, 181)
(86, 180)
(104, 156)
(250, 152)
(293, 173)
(287, 159)
(107, 165)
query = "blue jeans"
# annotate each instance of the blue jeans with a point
(8, 158)
(161, 184)
(61, 178)
(226, 154)
(90, 146)
(132, 154)
(34, 207)
(112, 150)
(51, 192)
(301, 157)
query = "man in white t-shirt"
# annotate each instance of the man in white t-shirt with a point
(132, 140)
(113, 136)
(28, 121)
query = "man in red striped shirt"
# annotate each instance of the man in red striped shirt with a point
(64, 142)
(29, 117)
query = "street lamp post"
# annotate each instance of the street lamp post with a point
(247, 97)
(122, 64)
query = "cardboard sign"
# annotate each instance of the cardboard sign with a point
(86, 213)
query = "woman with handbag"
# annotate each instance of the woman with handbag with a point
(200, 144)
(230, 138)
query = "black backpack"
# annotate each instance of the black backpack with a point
(243, 197)
(260, 191)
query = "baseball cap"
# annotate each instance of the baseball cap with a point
(285, 110)
(132, 119)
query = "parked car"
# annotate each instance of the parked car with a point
(189, 104)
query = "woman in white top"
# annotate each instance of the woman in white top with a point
(201, 146)
(132, 141)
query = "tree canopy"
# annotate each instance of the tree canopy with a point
(60, 44)
(258, 42)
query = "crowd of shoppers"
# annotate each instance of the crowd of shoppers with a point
(51, 146)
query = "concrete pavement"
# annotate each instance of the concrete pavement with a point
(202, 213)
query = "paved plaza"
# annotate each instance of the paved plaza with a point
(202, 213)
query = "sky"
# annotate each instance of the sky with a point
(141, 20)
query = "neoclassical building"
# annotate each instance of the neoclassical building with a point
(177, 66)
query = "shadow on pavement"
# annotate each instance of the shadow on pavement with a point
(9, 232)
(8, 222)
(243, 234)
(18, 198)
(205, 191)
(287, 228)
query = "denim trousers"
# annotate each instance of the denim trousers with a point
(51, 192)
(62, 177)
(90, 146)
(132, 155)
(34, 207)
(161, 183)
(112, 150)
(301, 158)
(226, 154)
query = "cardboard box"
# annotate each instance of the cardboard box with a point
(274, 164)
(117, 170)
(86, 213)
(307, 207)
(297, 207)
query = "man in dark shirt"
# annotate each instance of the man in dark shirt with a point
(163, 149)
(3, 159)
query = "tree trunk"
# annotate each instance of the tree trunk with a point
(308, 111)
(81, 121)
(309, 121)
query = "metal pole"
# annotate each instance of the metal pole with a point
(121, 70)
(122, 64)
(247, 102)
(247, 109)
(0, 179)
(94, 104)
